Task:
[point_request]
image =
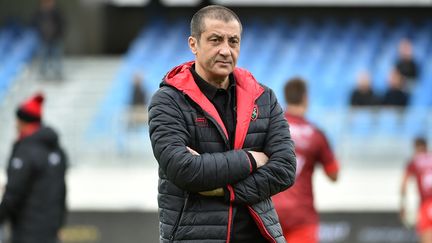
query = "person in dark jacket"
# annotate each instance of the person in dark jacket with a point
(221, 141)
(138, 103)
(363, 95)
(406, 64)
(35, 194)
(50, 25)
(395, 95)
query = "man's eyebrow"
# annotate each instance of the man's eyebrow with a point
(221, 36)
(215, 35)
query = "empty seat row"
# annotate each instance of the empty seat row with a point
(328, 53)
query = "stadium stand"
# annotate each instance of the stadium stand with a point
(17, 46)
(328, 52)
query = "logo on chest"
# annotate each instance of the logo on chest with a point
(16, 163)
(54, 159)
(201, 122)
(255, 112)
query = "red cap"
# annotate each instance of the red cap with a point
(31, 109)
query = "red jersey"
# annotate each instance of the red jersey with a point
(421, 167)
(295, 206)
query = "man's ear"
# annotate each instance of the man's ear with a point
(193, 43)
(305, 101)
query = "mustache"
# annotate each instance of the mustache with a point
(223, 60)
(220, 58)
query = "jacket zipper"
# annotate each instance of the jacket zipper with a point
(261, 225)
(174, 230)
(230, 214)
(227, 145)
(230, 219)
(230, 210)
(218, 128)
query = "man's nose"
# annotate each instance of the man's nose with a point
(225, 49)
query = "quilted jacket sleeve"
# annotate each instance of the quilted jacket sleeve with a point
(279, 172)
(169, 137)
(18, 185)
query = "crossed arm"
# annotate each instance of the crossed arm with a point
(210, 171)
(259, 157)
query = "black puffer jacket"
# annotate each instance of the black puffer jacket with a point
(180, 116)
(34, 200)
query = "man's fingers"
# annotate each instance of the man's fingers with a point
(219, 192)
(193, 152)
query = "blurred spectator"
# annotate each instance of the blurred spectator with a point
(49, 22)
(34, 200)
(395, 94)
(420, 168)
(138, 103)
(154, 10)
(363, 94)
(295, 206)
(406, 64)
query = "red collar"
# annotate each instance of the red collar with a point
(247, 91)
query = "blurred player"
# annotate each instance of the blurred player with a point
(420, 167)
(34, 197)
(295, 206)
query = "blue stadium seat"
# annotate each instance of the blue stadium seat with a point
(328, 53)
(361, 122)
(415, 122)
(389, 122)
(17, 46)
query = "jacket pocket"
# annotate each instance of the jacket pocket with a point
(178, 220)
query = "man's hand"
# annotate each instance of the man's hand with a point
(219, 192)
(260, 158)
(402, 215)
(193, 152)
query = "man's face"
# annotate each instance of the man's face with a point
(19, 125)
(420, 148)
(217, 50)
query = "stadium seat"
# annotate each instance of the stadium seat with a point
(327, 53)
(17, 47)
(361, 122)
(389, 122)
